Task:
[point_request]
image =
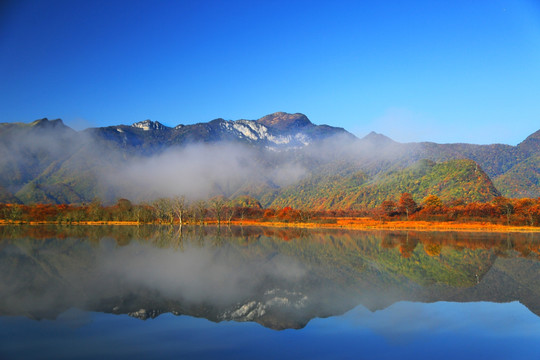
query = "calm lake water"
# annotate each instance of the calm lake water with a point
(243, 293)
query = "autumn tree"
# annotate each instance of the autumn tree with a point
(95, 210)
(406, 204)
(269, 213)
(42, 212)
(432, 201)
(124, 205)
(306, 215)
(288, 214)
(144, 212)
(163, 210)
(529, 209)
(476, 209)
(15, 213)
(432, 205)
(388, 207)
(504, 206)
(123, 209)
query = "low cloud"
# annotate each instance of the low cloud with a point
(124, 168)
(198, 171)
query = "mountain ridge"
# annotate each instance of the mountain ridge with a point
(47, 161)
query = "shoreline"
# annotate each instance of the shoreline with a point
(365, 224)
(370, 224)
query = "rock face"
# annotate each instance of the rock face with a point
(149, 125)
(285, 122)
(48, 124)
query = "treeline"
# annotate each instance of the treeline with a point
(501, 210)
(161, 211)
(177, 210)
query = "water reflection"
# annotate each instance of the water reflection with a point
(280, 278)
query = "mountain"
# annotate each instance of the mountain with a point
(280, 159)
(276, 131)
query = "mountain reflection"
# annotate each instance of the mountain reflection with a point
(280, 278)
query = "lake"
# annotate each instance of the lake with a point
(88, 292)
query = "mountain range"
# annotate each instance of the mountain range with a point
(280, 159)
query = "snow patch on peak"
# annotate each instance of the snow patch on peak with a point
(280, 140)
(303, 138)
(147, 125)
(247, 312)
(275, 298)
(247, 130)
(256, 131)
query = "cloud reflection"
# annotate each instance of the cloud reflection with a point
(196, 274)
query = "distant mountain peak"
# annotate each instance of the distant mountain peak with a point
(374, 137)
(531, 144)
(285, 121)
(46, 123)
(149, 125)
(535, 135)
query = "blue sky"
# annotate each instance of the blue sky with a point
(446, 71)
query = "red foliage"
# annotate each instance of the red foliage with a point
(288, 213)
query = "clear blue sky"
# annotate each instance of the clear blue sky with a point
(447, 71)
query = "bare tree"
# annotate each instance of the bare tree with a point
(179, 207)
(200, 210)
(163, 210)
(229, 213)
(218, 204)
(137, 212)
(242, 213)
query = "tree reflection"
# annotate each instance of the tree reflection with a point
(285, 275)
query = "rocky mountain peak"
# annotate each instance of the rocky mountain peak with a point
(149, 125)
(285, 121)
(46, 123)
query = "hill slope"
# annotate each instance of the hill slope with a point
(454, 179)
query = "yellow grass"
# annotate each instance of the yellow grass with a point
(371, 224)
(338, 223)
